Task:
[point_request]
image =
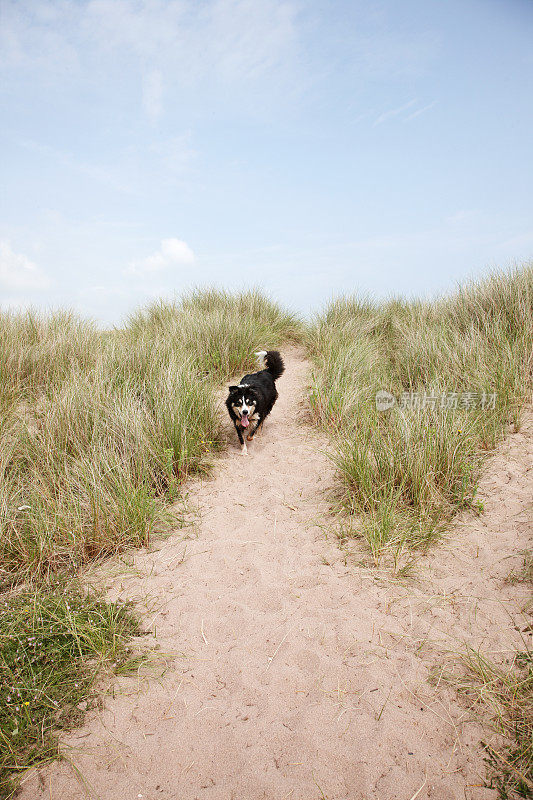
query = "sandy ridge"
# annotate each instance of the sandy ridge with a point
(303, 675)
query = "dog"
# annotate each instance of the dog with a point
(252, 400)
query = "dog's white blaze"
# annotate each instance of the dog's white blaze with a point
(242, 407)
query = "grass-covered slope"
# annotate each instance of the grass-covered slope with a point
(98, 431)
(459, 370)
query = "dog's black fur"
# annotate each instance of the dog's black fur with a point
(252, 400)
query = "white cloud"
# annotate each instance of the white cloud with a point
(464, 215)
(420, 111)
(394, 112)
(18, 272)
(161, 43)
(172, 253)
(100, 174)
(232, 39)
(400, 112)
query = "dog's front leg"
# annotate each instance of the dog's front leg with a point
(244, 450)
(259, 427)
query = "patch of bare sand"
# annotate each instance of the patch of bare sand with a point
(303, 676)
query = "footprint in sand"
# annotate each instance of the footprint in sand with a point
(308, 661)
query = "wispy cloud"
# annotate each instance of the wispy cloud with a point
(520, 242)
(180, 44)
(464, 216)
(18, 272)
(176, 153)
(394, 112)
(96, 172)
(400, 112)
(172, 253)
(420, 111)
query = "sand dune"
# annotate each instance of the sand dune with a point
(298, 673)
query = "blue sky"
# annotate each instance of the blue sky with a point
(310, 148)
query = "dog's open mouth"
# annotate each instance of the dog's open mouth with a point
(245, 422)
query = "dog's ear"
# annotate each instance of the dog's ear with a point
(232, 388)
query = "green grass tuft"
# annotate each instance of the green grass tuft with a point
(53, 646)
(406, 471)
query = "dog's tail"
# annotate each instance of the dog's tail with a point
(272, 361)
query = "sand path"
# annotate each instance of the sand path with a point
(301, 675)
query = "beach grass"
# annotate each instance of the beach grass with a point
(99, 430)
(456, 373)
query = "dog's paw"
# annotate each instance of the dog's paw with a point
(249, 438)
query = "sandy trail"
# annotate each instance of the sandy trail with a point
(302, 674)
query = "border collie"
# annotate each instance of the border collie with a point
(252, 400)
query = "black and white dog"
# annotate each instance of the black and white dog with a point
(252, 400)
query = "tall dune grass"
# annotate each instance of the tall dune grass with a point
(98, 432)
(99, 428)
(217, 329)
(38, 351)
(88, 461)
(406, 471)
(501, 695)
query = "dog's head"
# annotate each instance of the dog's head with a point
(242, 400)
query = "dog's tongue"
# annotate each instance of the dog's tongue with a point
(244, 422)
